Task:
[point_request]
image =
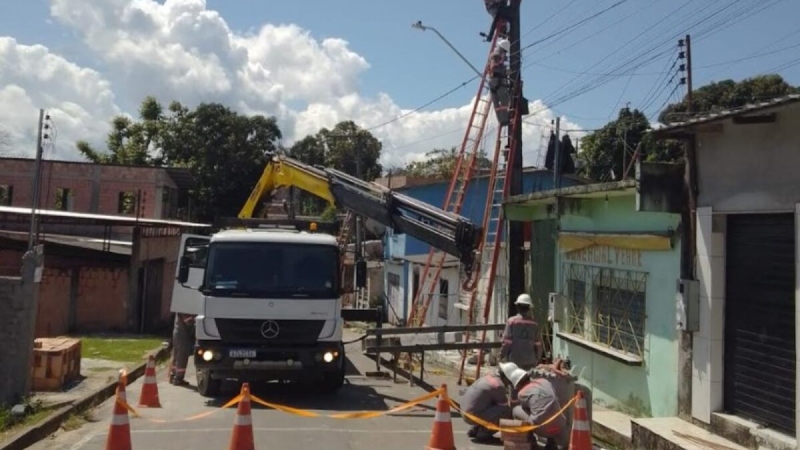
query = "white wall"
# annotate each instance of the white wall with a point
(707, 344)
(749, 167)
(395, 296)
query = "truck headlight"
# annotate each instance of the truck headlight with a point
(328, 357)
(208, 355)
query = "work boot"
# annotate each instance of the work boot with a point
(472, 432)
(484, 435)
(550, 444)
(178, 382)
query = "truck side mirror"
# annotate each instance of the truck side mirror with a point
(183, 270)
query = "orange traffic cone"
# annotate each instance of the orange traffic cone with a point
(581, 436)
(149, 395)
(119, 432)
(442, 434)
(242, 438)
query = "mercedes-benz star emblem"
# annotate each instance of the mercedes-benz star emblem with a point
(270, 329)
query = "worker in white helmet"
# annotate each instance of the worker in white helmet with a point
(499, 10)
(538, 403)
(487, 399)
(522, 337)
(499, 82)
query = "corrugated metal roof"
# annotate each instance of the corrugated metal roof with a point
(104, 219)
(727, 114)
(118, 247)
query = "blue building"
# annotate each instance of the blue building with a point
(405, 256)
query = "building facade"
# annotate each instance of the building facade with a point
(150, 192)
(744, 359)
(405, 256)
(614, 263)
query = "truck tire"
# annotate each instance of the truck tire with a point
(207, 386)
(333, 381)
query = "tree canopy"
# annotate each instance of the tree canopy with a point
(604, 150)
(440, 163)
(224, 151)
(729, 94)
(344, 147)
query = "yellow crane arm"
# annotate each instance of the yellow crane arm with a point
(284, 172)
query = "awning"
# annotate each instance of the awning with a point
(571, 241)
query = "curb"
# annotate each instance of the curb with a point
(51, 424)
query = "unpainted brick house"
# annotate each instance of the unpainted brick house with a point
(110, 238)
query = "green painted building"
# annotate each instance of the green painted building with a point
(611, 253)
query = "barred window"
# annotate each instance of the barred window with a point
(606, 306)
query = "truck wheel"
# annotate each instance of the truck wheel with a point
(333, 381)
(207, 386)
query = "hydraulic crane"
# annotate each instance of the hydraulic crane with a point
(447, 231)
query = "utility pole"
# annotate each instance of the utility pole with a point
(359, 223)
(689, 97)
(516, 239)
(688, 239)
(557, 156)
(37, 181)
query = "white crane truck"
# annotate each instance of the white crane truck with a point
(268, 302)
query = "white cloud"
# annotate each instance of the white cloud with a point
(181, 50)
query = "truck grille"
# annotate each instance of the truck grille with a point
(289, 331)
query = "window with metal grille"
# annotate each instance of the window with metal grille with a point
(606, 306)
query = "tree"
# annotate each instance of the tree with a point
(347, 145)
(441, 163)
(5, 141)
(729, 94)
(224, 151)
(130, 142)
(604, 149)
(338, 148)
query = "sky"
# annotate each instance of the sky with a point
(313, 63)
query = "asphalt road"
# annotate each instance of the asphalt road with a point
(274, 429)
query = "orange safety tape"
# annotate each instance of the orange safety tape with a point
(288, 409)
(233, 402)
(519, 429)
(348, 415)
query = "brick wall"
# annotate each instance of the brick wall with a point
(90, 297)
(18, 297)
(95, 188)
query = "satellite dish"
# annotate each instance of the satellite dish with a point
(375, 228)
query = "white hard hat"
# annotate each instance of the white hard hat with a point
(507, 368)
(524, 299)
(516, 376)
(504, 45)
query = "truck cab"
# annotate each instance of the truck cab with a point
(267, 305)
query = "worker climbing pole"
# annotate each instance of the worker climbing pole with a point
(493, 270)
(454, 199)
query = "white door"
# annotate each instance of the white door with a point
(186, 298)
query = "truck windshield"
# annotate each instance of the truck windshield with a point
(272, 270)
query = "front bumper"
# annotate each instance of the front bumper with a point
(254, 362)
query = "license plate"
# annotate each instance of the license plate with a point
(239, 353)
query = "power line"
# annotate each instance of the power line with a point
(628, 66)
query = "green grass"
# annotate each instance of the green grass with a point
(120, 349)
(9, 426)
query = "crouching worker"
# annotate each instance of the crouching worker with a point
(487, 399)
(538, 403)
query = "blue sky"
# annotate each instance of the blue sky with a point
(414, 67)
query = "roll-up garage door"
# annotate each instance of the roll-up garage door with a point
(759, 319)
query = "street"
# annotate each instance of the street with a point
(274, 429)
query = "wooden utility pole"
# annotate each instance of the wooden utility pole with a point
(516, 238)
